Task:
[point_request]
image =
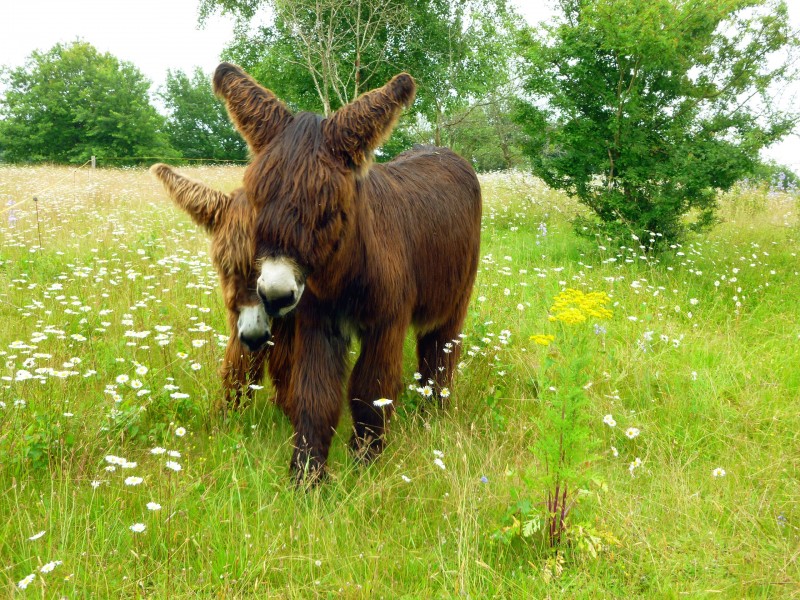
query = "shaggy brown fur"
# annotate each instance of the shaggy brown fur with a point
(380, 248)
(229, 218)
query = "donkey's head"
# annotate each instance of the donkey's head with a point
(303, 177)
(222, 216)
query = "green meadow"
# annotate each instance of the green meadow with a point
(674, 423)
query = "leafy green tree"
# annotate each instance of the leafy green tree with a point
(72, 102)
(460, 52)
(320, 54)
(646, 110)
(197, 125)
(317, 54)
(485, 134)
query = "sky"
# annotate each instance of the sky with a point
(157, 35)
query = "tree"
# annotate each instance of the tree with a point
(461, 53)
(339, 43)
(198, 125)
(646, 110)
(321, 54)
(71, 102)
(326, 52)
(485, 134)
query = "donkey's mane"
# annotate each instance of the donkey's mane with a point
(296, 188)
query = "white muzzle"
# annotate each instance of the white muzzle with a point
(280, 286)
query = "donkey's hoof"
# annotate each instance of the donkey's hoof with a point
(366, 449)
(307, 471)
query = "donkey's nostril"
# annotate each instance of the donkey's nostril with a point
(276, 303)
(254, 340)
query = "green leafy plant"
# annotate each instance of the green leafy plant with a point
(565, 448)
(42, 441)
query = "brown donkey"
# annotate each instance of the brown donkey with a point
(346, 247)
(229, 218)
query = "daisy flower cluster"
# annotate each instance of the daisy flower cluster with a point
(628, 435)
(43, 570)
(170, 464)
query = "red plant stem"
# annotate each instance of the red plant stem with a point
(563, 513)
(553, 508)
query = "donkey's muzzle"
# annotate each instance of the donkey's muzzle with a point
(254, 343)
(280, 286)
(254, 327)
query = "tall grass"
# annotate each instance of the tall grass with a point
(701, 356)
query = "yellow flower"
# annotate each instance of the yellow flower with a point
(542, 339)
(574, 306)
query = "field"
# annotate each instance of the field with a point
(113, 328)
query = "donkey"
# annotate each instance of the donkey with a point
(229, 218)
(347, 248)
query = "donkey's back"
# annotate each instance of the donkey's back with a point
(426, 206)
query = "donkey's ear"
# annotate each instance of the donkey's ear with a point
(204, 204)
(257, 113)
(355, 130)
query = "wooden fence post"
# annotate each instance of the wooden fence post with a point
(38, 226)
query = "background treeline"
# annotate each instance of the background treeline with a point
(71, 101)
(645, 112)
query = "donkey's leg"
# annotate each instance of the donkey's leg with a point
(438, 352)
(279, 363)
(319, 363)
(377, 374)
(255, 368)
(234, 371)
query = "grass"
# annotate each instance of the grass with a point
(701, 356)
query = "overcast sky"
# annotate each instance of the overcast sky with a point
(156, 35)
